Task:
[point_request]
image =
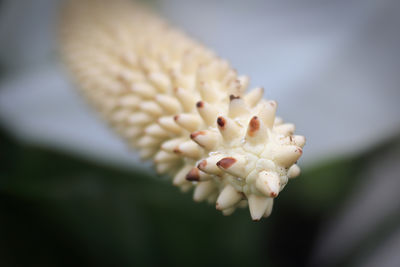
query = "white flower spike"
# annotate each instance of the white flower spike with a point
(180, 105)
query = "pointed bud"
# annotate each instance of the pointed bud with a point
(267, 113)
(253, 97)
(144, 90)
(268, 183)
(155, 130)
(185, 187)
(285, 129)
(235, 166)
(230, 81)
(180, 80)
(151, 108)
(213, 197)
(147, 153)
(228, 198)
(237, 107)
(148, 141)
(294, 171)
(168, 103)
(207, 112)
(120, 116)
(229, 129)
(187, 100)
(203, 190)
(209, 165)
(165, 167)
(170, 145)
(180, 177)
(229, 211)
(233, 87)
(278, 121)
(257, 205)
(268, 211)
(188, 149)
(168, 124)
(299, 140)
(132, 132)
(163, 156)
(207, 139)
(161, 81)
(287, 155)
(190, 122)
(148, 65)
(189, 63)
(129, 101)
(244, 81)
(243, 204)
(195, 175)
(139, 118)
(256, 131)
(207, 93)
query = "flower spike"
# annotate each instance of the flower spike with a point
(180, 105)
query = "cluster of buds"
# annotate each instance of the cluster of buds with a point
(180, 105)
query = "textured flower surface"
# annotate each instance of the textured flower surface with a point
(180, 105)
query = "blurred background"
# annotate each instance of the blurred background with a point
(72, 194)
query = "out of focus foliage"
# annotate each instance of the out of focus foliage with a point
(57, 210)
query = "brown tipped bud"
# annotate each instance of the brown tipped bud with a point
(209, 165)
(207, 112)
(193, 175)
(229, 129)
(257, 133)
(237, 107)
(268, 183)
(235, 166)
(196, 175)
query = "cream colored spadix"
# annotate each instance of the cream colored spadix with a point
(180, 105)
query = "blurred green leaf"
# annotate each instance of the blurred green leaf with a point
(58, 210)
